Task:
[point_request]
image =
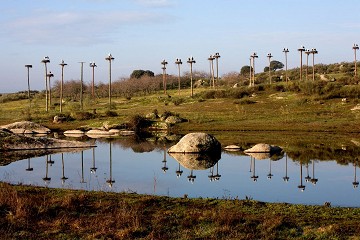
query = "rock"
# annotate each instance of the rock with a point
(96, 133)
(159, 126)
(74, 132)
(236, 85)
(232, 148)
(10, 141)
(196, 143)
(127, 132)
(151, 116)
(356, 108)
(58, 119)
(173, 120)
(114, 131)
(26, 127)
(263, 148)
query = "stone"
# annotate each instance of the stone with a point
(151, 116)
(173, 120)
(232, 148)
(196, 143)
(26, 126)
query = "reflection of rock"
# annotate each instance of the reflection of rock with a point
(10, 141)
(263, 148)
(74, 133)
(259, 156)
(196, 161)
(196, 143)
(263, 151)
(232, 148)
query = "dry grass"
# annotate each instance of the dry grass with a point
(40, 213)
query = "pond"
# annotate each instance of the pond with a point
(145, 167)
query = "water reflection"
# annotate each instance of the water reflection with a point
(63, 178)
(29, 168)
(110, 181)
(47, 179)
(355, 182)
(286, 177)
(138, 170)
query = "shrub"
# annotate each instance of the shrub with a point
(110, 113)
(138, 122)
(82, 115)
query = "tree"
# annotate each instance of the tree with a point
(245, 70)
(274, 65)
(140, 73)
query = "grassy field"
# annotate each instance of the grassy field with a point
(296, 120)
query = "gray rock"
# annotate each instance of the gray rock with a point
(196, 143)
(152, 116)
(26, 127)
(173, 120)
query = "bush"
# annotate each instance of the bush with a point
(110, 113)
(138, 122)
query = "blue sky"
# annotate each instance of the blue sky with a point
(141, 33)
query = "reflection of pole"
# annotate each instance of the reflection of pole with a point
(29, 168)
(269, 176)
(254, 177)
(307, 178)
(355, 183)
(110, 181)
(212, 176)
(217, 175)
(191, 177)
(179, 172)
(301, 186)
(286, 178)
(164, 168)
(47, 179)
(82, 167)
(93, 168)
(63, 178)
(313, 179)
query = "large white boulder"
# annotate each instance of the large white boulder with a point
(196, 143)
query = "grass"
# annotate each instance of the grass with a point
(300, 120)
(41, 213)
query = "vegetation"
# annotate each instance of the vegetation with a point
(41, 213)
(281, 113)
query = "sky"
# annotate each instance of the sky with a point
(141, 33)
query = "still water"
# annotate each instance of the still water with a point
(148, 169)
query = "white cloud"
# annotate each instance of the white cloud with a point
(155, 3)
(73, 27)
